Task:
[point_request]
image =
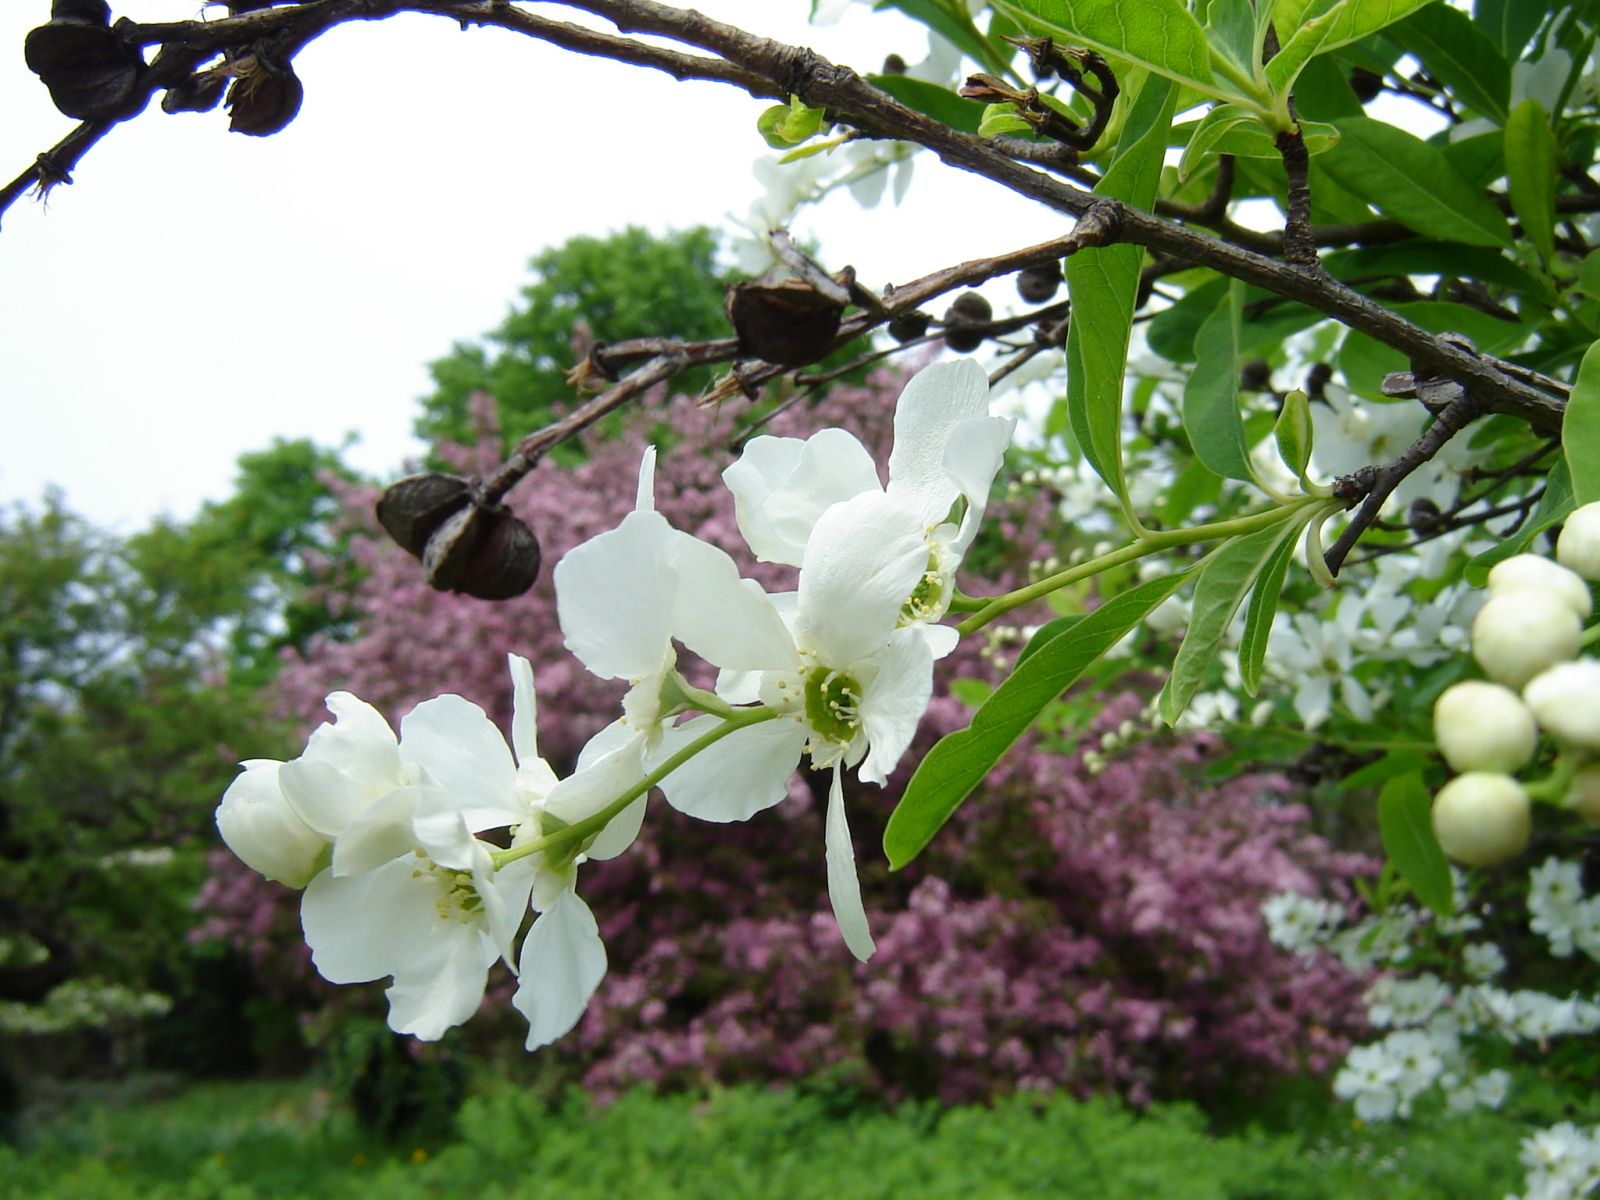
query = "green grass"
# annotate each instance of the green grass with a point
(252, 1141)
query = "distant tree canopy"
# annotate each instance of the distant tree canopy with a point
(623, 285)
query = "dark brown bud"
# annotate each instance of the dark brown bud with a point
(894, 65)
(789, 323)
(484, 551)
(1317, 380)
(966, 310)
(1365, 84)
(1256, 375)
(1038, 284)
(265, 96)
(413, 507)
(908, 327)
(198, 93)
(92, 73)
(1423, 515)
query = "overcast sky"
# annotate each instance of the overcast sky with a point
(197, 292)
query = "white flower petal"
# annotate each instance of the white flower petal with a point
(361, 927)
(844, 889)
(524, 710)
(439, 827)
(935, 400)
(322, 796)
(454, 741)
(735, 778)
(865, 558)
(972, 458)
(359, 743)
(378, 834)
(614, 597)
(893, 703)
(563, 962)
(505, 894)
(781, 486)
(645, 499)
(259, 825)
(433, 994)
(726, 620)
(941, 639)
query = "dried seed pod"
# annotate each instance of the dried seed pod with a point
(789, 323)
(908, 327)
(1365, 84)
(1317, 380)
(1255, 375)
(1423, 515)
(894, 65)
(484, 551)
(1037, 284)
(198, 93)
(265, 96)
(966, 310)
(92, 74)
(412, 508)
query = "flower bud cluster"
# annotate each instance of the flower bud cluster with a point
(1527, 638)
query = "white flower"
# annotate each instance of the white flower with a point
(1482, 818)
(1578, 547)
(1566, 700)
(1519, 634)
(1300, 923)
(947, 450)
(1532, 572)
(1370, 1078)
(1483, 960)
(851, 685)
(259, 825)
(1402, 1002)
(1484, 727)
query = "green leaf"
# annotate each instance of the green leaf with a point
(1531, 174)
(1380, 771)
(1104, 285)
(1045, 634)
(1230, 27)
(1292, 432)
(1589, 274)
(1459, 55)
(1405, 824)
(1580, 430)
(785, 125)
(1325, 26)
(1227, 576)
(1002, 119)
(1420, 256)
(958, 762)
(1161, 36)
(931, 100)
(952, 22)
(1324, 94)
(1258, 618)
(1230, 129)
(1553, 508)
(1211, 396)
(1406, 178)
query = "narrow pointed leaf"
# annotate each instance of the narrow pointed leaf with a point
(1459, 55)
(1325, 26)
(1531, 174)
(1258, 618)
(1580, 430)
(1554, 506)
(1225, 580)
(1104, 285)
(1161, 36)
(958, 763)
(1405, 823)
(1211, 397)
(1292, 432)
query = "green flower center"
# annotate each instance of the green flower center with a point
(833, 705)
(458, 898)
(924, 600)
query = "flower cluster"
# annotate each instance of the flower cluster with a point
(387, 834)
(1526, 637)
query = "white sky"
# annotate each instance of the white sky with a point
(196, 292)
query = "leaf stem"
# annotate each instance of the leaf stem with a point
(1149, 542)
(742, 719)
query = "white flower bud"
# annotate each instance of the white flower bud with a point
(1566, 700)
(1538, 574)
(1584, 794)
(1578, 547)
(1518, 634)
(256, 821)
(1484, 727)
(1482, 818)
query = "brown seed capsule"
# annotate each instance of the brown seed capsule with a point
(908, 327)
(1317, 380)
(92, 74)
(198, 93)
(967, 309)
(894, 65)
(1038, 284)
(413, 507)
(265, 96)
(1255, 375)
(483, 551)
(789, 323)
(1423, 515)
(1365, 84)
